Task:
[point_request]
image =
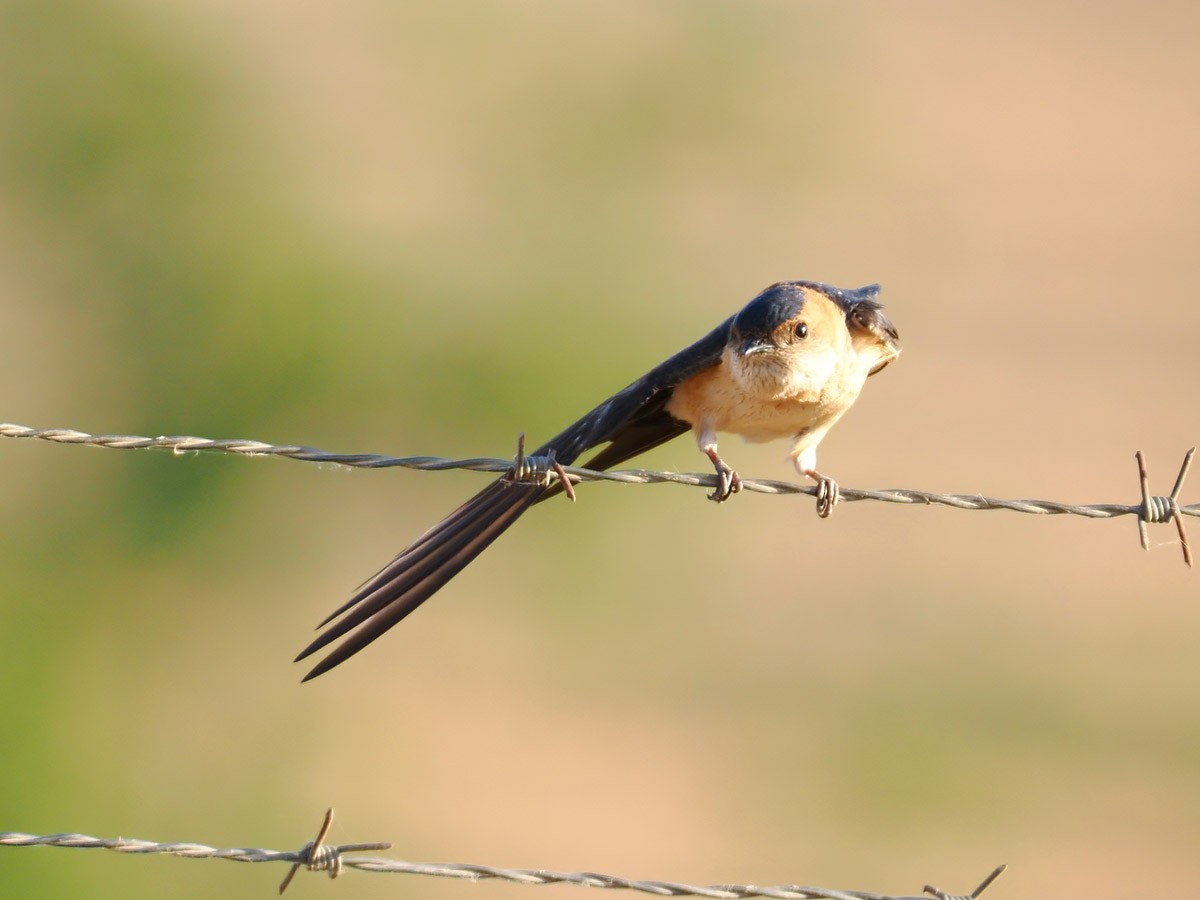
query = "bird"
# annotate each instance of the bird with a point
(788, 365)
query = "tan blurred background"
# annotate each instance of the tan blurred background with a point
(419, 228)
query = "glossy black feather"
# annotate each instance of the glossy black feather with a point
(421, 570)
(630, 422)
(635, 405)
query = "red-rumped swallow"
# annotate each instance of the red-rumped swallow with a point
(788, 365)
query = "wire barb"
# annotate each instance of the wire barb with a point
(538, 469)
(317, 856)
(983, 886)
(542, 469)
(1163, 509)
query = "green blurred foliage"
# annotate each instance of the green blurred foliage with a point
(207, 292)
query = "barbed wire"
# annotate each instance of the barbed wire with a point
(1150, 510)
(318, 856)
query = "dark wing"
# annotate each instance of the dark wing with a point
(635, 419)
(630, 422)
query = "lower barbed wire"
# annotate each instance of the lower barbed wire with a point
(316, 855)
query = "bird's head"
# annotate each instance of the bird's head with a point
(794, 336)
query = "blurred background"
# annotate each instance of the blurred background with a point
(421, 228)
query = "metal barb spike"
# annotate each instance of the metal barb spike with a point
(317, 856)
(1163, 509)
(983, 886)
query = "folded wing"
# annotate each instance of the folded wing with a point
(630, 422)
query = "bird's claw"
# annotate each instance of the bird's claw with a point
(728, 481)
(828, 494)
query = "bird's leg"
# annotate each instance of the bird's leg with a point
(728, 480)
(828, 492)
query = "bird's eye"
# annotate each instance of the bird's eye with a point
(802, 330)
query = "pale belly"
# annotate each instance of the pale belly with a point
(759, 421)
(718, 404)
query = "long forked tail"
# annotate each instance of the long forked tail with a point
(421, 569)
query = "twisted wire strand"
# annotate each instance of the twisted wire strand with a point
(315, 855)
(181, 444)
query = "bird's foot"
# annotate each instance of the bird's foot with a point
(728, 480)
(828, 494)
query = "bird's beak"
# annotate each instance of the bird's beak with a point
(892, 349)
(751, 345)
